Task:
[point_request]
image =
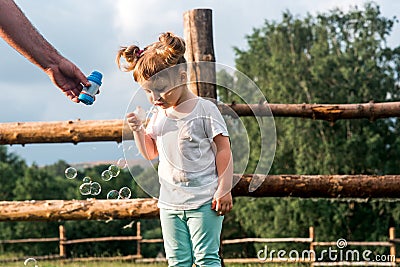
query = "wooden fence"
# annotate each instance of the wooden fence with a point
(263, 256)
(75, 132)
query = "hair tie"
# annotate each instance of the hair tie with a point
(139, 53)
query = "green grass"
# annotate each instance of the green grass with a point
(121, 264)
(112, 263)
(83, 264)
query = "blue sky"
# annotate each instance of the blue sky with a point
(90, 32)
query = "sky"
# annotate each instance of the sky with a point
(90, 32)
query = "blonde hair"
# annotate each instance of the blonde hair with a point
(165, 53)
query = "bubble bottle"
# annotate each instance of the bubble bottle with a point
(88, 93)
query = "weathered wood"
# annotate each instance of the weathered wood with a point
(62, 131)
(101, 239)
(312, 238)
(392, 236)
(267, 240)
(154, 240)
(328, 112)
(267, 260)
(305, 186)
(92, 209)
(30, 240)
(112, 130)
(354, 243)
(140, 238)
(320, 186)
(63, 248)
(198, 34)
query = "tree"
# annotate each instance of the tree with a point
(334, 57)
(11, 169)
(331, 58)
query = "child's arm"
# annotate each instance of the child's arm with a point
(222, 201)
(146, 145)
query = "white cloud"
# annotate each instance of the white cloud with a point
(141, 22)
(90, 32)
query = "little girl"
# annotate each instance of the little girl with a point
(190, 137)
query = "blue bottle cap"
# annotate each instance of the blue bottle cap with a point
(86, 99)
(96, 77)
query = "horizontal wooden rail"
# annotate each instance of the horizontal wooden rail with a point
(396, 240)
(30, 240)
(100, 239)
(268, 240)
(355, 243)
(91, 209)
(257, 261)
(358, 263)
(310, 257)
(306, 186)
(154, 240)
(319, 186)
(112, 130)
(328, 112)
(61, 132)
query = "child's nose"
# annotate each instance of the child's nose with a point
(156, 96)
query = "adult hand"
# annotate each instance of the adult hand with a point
(18, 32)
(68, 77)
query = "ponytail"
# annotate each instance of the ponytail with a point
(167, 52)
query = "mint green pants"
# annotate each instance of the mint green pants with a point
(191, 236)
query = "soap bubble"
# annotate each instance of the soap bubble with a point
(113, 194)
(106, 175)
(85, 189)
(70, 172)
(124, 192)
(87, 179)
(121, 163)
(114, 169)
(95, 188)
(31, 262)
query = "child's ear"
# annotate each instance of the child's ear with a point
(183, 76)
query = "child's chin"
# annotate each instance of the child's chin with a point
(163, 106)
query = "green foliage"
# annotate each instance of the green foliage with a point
(331, 58)
(335, 58)
(11, 167)
(151, 228)
(105, 263)
(45, 183)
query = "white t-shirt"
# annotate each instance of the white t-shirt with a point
(187, 169)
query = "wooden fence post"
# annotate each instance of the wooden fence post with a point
(63, 247)
(312, 238)
(139, 240)
(198, 33)
(392, 237)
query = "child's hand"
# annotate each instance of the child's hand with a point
(134, 122)
(222, 205)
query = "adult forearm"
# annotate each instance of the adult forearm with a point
(19, 33)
